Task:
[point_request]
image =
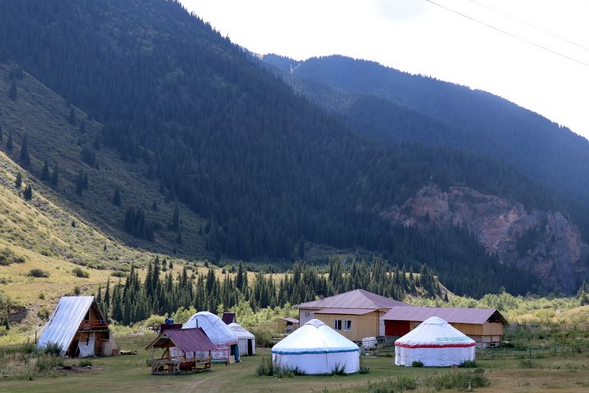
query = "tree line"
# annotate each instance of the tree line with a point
(164, 291)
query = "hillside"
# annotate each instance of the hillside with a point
(396, 106)
(214, 156)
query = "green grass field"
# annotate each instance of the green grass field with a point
(542, 372)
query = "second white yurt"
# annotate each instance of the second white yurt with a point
(315, 348)
(435, 343)
(247, 341)
(225, 339)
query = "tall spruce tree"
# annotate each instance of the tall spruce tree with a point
(25, 159)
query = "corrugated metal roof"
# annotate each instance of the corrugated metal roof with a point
(346, 311)
(187, 340)
(357, 298)
(451, 315)
(65, 321)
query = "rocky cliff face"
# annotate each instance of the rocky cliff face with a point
(546, 243)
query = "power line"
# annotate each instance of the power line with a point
(527, 41)
(531, 25)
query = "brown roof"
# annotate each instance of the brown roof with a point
(346, 311)
(187, 340)
(356, 299)
(291, 320)
(451, 315)
(229, 317)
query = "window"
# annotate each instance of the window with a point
(308, 314)
(337, 325)
(347, 325)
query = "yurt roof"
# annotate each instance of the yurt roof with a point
(314, 337)
(434, 332)
(214, 327)
(240, 331)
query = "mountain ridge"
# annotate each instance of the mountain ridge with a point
(189, 120)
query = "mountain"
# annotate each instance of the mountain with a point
(173, 140)
(543, 242)
(396, 106)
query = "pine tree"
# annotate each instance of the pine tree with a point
(9, 142)
(175, 224)
(116, 199)
(55, 176)
(28, 192)
(72, 116)
(18, 181)
(24, 152)
(45, 171)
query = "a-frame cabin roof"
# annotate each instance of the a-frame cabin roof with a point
(355, 299)
(65, 321)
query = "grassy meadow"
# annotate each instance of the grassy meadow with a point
(519, 371)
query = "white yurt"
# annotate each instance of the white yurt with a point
(435, 343)
(225, 339)
(315, 348)
(247, 341)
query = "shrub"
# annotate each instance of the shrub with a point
(43, 313)
(269, 369)
(118, 273)
(416, 363)
(399, 384)
(85, 363)
(527, 363)
(39, 273)
(52, 349)
(79, 272)
(469, 364)
(460, 381)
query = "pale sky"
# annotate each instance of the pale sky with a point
(420, 37)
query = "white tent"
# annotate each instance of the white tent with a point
(434, 342)
(315, 348)
(225, 339)
(247, 341)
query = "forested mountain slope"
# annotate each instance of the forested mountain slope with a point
(397, 106)
(200, 124)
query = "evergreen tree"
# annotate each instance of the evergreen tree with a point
(116, 199)
(72, 116)
(9, 142)
(28, 192)
(18, 181)
(55, 176)
(80, 184)
(175, 224)
(24, 152)
(45, 171)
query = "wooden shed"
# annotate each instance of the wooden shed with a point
(484, 326)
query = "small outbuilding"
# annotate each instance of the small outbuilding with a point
(185, 350)
(315, 348)
(225, 339)
(484, 325)
(78, 327)
(247, 341)
(434, 343)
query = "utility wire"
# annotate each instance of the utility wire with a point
(530, 25)
(509, 34)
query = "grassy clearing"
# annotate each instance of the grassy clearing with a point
(131, 374)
